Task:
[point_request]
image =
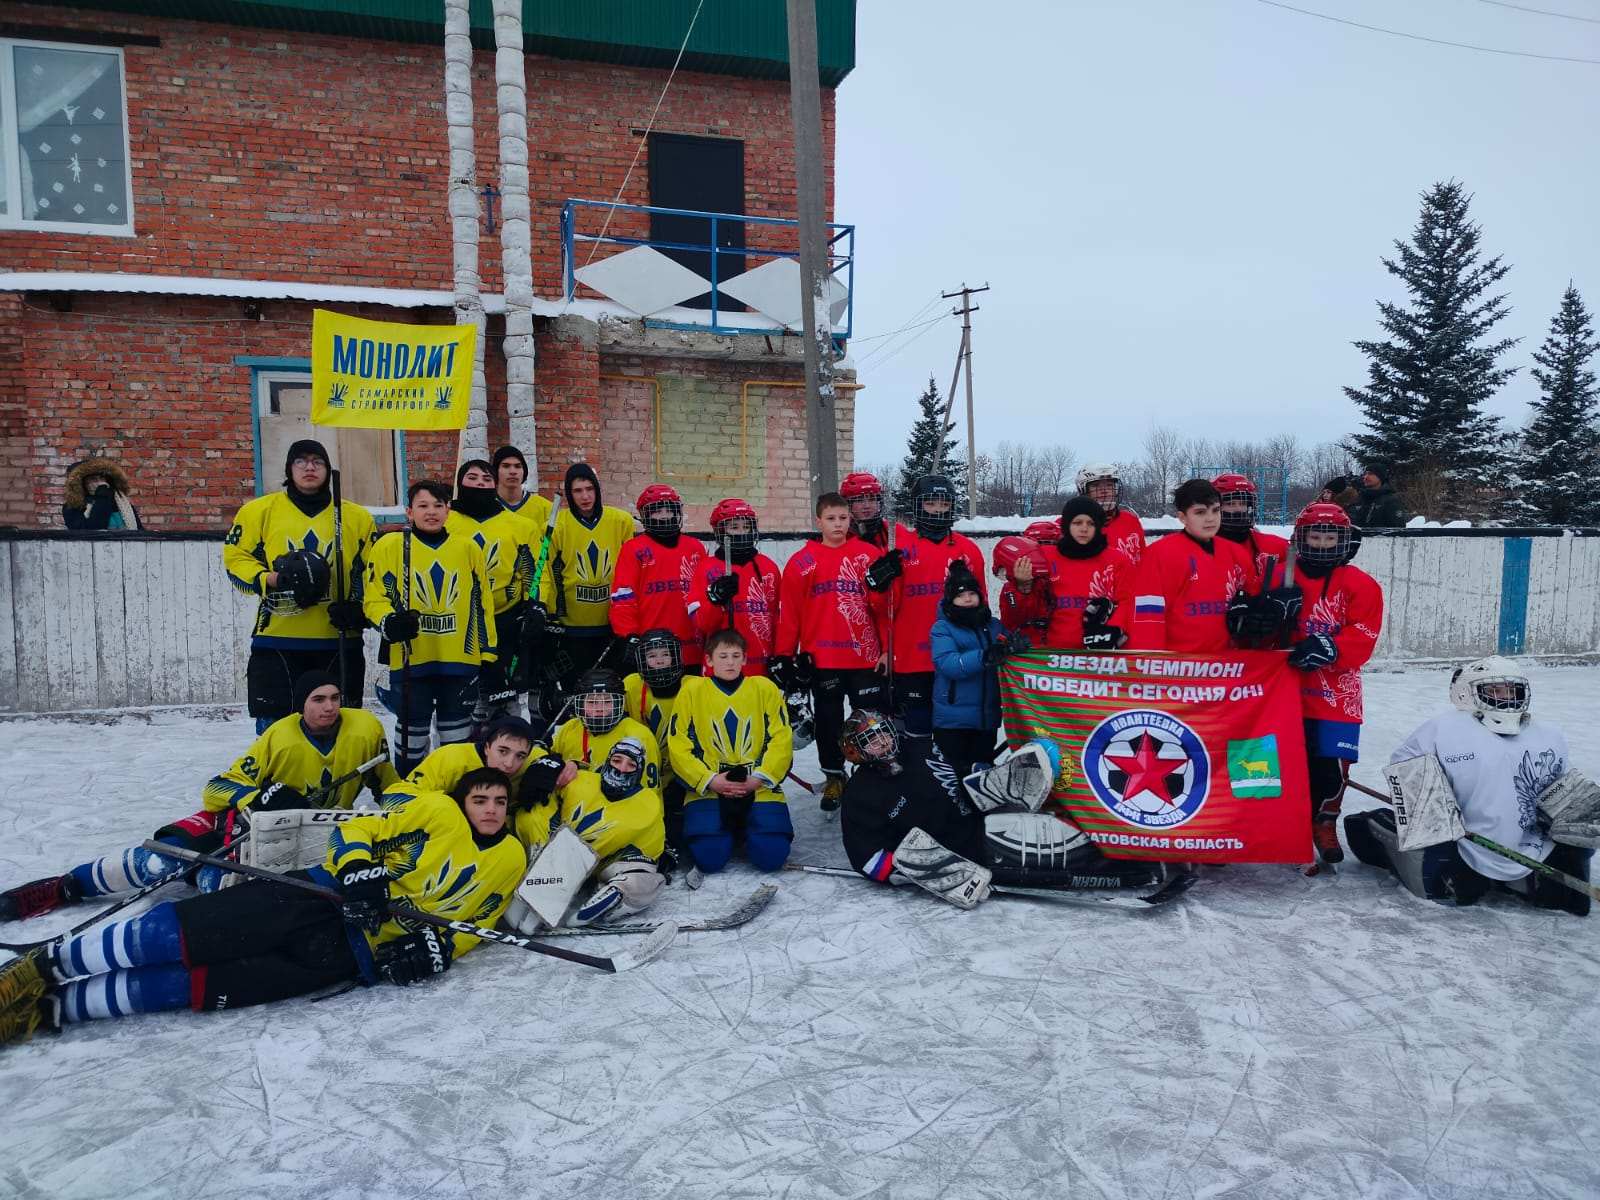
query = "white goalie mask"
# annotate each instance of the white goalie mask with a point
(1496, 692)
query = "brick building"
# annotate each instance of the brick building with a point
(183, 182)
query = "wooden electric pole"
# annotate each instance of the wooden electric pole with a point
(805, 103)
(965, 356)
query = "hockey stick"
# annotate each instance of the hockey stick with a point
(403, 725)
(1096, 895)
(791, 777)
(317, 798)
(532, 597)
(1533, 864)
(652, 947)
(1287, 634)
(754, 905)
(338, 569)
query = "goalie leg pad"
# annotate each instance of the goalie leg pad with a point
(1021, 778)
(1425, 809)
(627, 886)
(940, 870)
(1435, 872)
(1036, 841)
(553, 879)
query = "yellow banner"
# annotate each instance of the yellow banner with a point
(381, 375)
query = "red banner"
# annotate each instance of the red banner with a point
(1179, 757)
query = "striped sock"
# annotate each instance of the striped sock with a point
(149, 938)
(118, 993)
(125, 872)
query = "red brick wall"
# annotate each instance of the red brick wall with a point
(276, 155)
(16, 454)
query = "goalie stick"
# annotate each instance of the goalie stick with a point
(754, 905)
(1092, 897)
(1533, 864)
(651, 947)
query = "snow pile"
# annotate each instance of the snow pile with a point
(1270, 1035)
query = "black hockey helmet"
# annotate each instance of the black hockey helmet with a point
(933, 524)
(600, 683)
(659, 678)
(863, 729)
(618, 783)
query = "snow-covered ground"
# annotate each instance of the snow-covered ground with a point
(1269, 1036)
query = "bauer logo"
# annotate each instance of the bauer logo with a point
(1148, 768)
(1253, 771)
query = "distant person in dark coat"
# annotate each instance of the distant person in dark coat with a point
(97, 497)
(1341, 491)
(1378, 507)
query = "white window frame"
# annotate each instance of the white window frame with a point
(267, 479)
(12, 218)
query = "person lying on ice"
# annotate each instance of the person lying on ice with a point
(904, 820)
(1494, 763)
(288, 766)
(452, 856)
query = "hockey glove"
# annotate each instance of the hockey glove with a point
(805, 672)
(781, 669)
(1017, 642)
(884, 571)
(722, 589)
(401, 626)
(535, 622)
(303, 574)
(1102, 637)
(1318, 650)
(995, 653)
(539, 780)
(414, 957)
(364, 894)
(1099, 609)
(492, 685)
(346, 616)
(278, 796)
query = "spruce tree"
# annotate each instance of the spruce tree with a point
(1427, 383)
(930, 452)
(1560, 456)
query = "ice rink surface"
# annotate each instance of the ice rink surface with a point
(1268, 1036)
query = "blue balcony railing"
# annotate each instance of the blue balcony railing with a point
(722, 264)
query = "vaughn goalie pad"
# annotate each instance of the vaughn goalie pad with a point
(1571, 807)
(1035, 841)
(1020, 779)
(290, 839)
(552, 882)
(1425, 808)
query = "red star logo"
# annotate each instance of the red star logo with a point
(1144, 770)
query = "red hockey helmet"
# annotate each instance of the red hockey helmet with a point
(1319, 520)
(1239, 491)
(860, 483)
(1012, 547)
(1044, 531)
(660, 509)
(734, 509)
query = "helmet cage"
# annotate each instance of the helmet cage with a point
(1341, 552)
(662, 516)
(1495, 693)
(934, 522)
(737, 542)
(863, 728)
(619, 785)
(658, 677)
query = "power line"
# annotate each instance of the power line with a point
(1417, 37)
(889, 347)
(903, 345)
(876, 337)
(1543, 12)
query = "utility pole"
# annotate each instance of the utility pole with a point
(805, 104)
(965, 313)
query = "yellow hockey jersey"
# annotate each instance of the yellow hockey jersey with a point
(535, 509)
(609, 827)
(585, 560)
(573, 741)
(444, 768)
(508, 543)
(713, 729)
(435, 863)
(650, 708)
(450, 593)
(286, 753)
(270, 526)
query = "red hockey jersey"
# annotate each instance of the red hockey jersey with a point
(1059, 598)
(1125, 532)
(1259, 547)
(1347, 605)
(918, 591)
(755, 607)
(651, 590)
(1181, 592)
(825, 609)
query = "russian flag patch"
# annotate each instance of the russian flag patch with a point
(1149, 604)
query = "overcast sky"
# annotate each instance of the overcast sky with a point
(1181, 204)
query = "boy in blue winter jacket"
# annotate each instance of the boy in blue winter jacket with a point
(968, 646)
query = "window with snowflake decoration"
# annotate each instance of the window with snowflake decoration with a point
(63, 139)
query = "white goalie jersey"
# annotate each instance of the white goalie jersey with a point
(1497, 782)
